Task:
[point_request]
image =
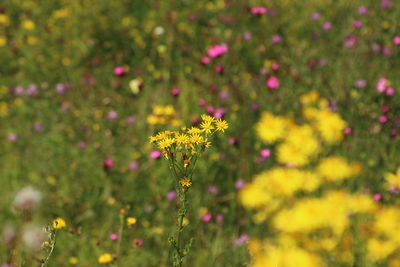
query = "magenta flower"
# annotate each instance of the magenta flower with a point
(201, 102)
(389, 91)
(108, 163)
(273, 83)
(327, 26)
(385, 109)
(382, 119)
(386, 4)
(206, 217)
(133, 165)
(239, 184)
(171, 195)
(362, 10)
(315, 16)
(247, 36)
(396, 40)
(361, 83)
(241, 239)
(217, 50)
(219, 69)
(350, 41)
(112, 115)
(175, 91)
(219, 218)
(213, 190)
(113, 236)
(60, 88)
(265, 153)
(382, 85)
(155, 154)
(258, 10)
(276, 39)
(377, 197)
(347, 130)
(19, 90)
(274, 66)
(119, 71)
(357, 24)
(205, 60)
(139, 242)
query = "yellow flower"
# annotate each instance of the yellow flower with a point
(131, 221)
(59, 223)
(196, 139)
(207, 126)
(393, 179)
(271, 128)
(73, 260)
(28, 25)
(194, 130)
(185, 182)
(105, 258)
(335, 169)
(221, 125)
(166, 143)
(207, 118)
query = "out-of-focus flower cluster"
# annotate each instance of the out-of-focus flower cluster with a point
(313, 220)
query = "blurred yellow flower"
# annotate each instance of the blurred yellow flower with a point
(59, 223)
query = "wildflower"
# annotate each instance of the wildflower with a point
(206, 217)
(241, 239)
(73, 260)
(208, 119)
(131, 221)
(108, 163)
(166, 143)
(175, 91)
(194, 130)
(196, 139)
(135, 85)
(119, 71)
(27, 199)
(221, 125)
(217, 50)
(206, 126)
(393, 179)
(342, 169)
(171, 195)
(33, 237)
(258, 10)
(271, 128)
(105, 258)
(155, 154)
(138, 242)
(113, 236)
(59, 223)
(273, 82)
(185, 182)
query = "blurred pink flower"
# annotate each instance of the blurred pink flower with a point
(217, 50)
(258, 10)
(175, 91)
(119, 71)
(205, 60)
(381, 85)
(206, 217)
(396, 40)
(273, 83)
(108, 163)
(155, 154)
(113, 236)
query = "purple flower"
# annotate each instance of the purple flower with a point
(276, 39)
(315, 16)
(327, 26)
(239, 184)
(212, 189)
(130, 120)
(32, 90)
(241, 239)
(155, 154)
(206, 217)
(12, 137)
(113, 236)
(254, 106)
(112, 115)
(361, 83)
(133, 165)
(175, 91)
(171, 195)
(362, 10)
(357, 24)
(19, 90)
(119, 71)
(108, 163)
(386, 4)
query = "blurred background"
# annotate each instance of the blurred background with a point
(84, 83)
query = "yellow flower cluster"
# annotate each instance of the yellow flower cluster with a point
(163, 115)
(189, 138)
(393, 179)
(105, 258)
(309, 216)
(301, 142)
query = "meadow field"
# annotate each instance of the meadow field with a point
(260, 133)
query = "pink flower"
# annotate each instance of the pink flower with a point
(327, 26)
(265, 153)
(219, 69)
(239, 184)
(155, 154)
(205, 60)
(113, 236)
(119, 71)
(315, 16)
(138, 242)
(396, 40)
(258, 10)
(108, 163)
(350, 41)
(201, 102)
(112, 115)
(175, 91)
(347, 130)
(362, 10)
(382, 119)
(274, 66)
(171, 195)
(381, 85)
(273, 83)
(133, 165)
(377, 197)
(389, 91)
(385, 109)
(206, 217)
(241, 239)
(217, 50)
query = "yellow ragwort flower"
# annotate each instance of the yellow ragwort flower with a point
(221, 125)
(131, 221)
(185, 182)
(105, 258)
(59, 223)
